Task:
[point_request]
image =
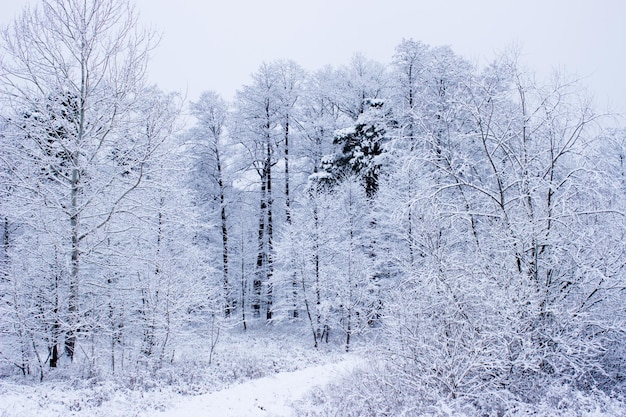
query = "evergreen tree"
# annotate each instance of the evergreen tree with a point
(361, 147)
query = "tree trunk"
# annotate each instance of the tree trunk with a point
(294, 283)
(243, 283)
(54, 352)
(227, 290)
(318, 290)
(4, 274)
(308, 312)
(73, 299)
(270, 232)
(257, 285)
(287, 197)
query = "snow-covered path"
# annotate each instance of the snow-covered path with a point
(269, 396)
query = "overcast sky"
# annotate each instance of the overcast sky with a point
(218, 44)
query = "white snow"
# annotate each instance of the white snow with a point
(270, 396)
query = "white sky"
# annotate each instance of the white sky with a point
(217, 44)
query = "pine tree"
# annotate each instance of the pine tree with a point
(361, 147)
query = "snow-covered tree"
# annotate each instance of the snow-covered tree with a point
(361, 147)
(501, 269)
(210, 179)
(71, 74)
(257, 109)
(355, 83)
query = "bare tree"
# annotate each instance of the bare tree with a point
(504, 290)
(257, 111)
(72, 73)
(211, 112)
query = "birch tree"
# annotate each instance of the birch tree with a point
(72, 73)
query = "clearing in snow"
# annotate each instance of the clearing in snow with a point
(269, 396)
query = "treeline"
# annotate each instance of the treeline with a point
(473, 217)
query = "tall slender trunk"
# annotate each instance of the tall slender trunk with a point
(112, 324)
(257, 285)
(316, 261)
(243, 283)
(264, 270)
(73, 299)
(409, 234)
(56, 326)
(227, 288)
(287, 197)
(411, 134)
(351, 249)
(294, 278)
(270, 240)
(150, 298)
(4, 274)
(349, 329)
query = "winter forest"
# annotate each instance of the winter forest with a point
(459, 230)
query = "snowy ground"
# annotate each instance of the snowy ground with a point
(253, 373)
(269, 396)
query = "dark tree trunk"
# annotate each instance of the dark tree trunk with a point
(227, 290)
(287, 197)
(54, 352)
(318, 290)
(243, 284)
(270, 241)
(257, 284)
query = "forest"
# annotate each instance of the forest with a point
(461, 228)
